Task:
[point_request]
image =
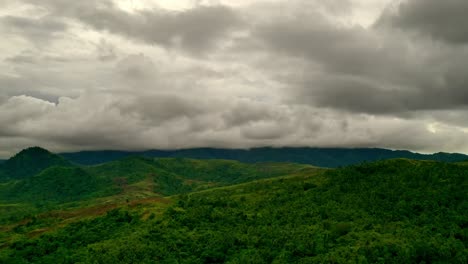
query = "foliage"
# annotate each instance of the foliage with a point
(57, 184)
(134, 169)
(397, 211)
(224, 171)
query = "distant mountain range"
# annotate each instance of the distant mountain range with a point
(322, 157)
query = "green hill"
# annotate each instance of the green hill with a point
(134, 169)
(29, 162)
(395, 211)
(178, 175)
(225, 171)
(59, 184)
(158, 176)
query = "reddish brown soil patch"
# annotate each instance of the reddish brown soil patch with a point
(149, 200)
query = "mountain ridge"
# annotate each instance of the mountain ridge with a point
(322, 157)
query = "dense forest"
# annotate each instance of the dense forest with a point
(178, 210)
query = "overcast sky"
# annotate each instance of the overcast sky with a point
(165, 74)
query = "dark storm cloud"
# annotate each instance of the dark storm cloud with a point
(194, 30)
(34, 29)
(444, 20)
(355, 94)
(245, 112)
(362, 95)
(46, 76)
(265, 131)
(279, 73)
(372, 71)
(160, 108)
(22, 58)
(337, 49)
(106, 51)
(136, 67)
(22, 109)
(13, 86)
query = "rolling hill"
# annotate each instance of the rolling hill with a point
(393, 211)
(57, 184)
(52, 180)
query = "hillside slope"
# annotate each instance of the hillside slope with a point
(128, 179)
(179, 175)
(396, 211)
(60, 184)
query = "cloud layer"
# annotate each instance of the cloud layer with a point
(341, 73)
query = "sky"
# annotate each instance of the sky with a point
(165, 74)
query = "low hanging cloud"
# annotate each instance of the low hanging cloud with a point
(100, 122)
(90, 75)
(369, 70)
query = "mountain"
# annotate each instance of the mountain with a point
(61, 181)
(181, 210)
(170, 176)
(29, 162)
(322, 157)
(392, 211)
(58, 184)
(226, 171)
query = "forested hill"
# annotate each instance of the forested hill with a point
(322, 157)
(29, 162)
(394, 211)
(179, 210)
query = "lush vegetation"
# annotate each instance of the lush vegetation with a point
(72, 186)
(58, 184)
(220, 211)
